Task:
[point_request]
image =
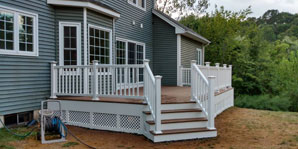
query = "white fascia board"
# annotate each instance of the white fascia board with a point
(195, 37)
(178, 29)
(85, 5)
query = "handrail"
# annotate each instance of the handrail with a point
(202, 91)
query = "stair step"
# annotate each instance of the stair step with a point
(164, 103)
(175, 111)
(178, 120)
(180, 131)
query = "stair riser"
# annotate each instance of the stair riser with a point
(182, 125)
(178, 106)
(185, 136)
(167, 116)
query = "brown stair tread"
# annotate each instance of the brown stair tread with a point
(179, 131)
(182, 120)
(175, 111)
(178, 102)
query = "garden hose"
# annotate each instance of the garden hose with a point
(18, 135)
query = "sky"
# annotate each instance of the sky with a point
(259, 7)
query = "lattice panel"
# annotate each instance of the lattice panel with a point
(130, 122)
(63, 114)
(79, 117)
(105, 120)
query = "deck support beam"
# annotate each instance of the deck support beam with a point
(211, 103)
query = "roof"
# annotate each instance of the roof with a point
(180, 28)
(90, 4)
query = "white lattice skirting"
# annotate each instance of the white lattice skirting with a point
(120, 117)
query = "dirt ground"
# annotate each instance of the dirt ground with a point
(237, 129)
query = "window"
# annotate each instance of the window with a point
(121, 52)
(100, 44)
(69, 43)
(138, 3)
(18, 32)
(200, 56)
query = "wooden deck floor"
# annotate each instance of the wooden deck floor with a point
(169, 95)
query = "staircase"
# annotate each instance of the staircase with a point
(179, 121)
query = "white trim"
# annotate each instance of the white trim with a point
(110, 38)
(179, 77)
(126, 47)
(16, 49)
(61, 41)
(137, 4)
(85, 37)
(88, 5)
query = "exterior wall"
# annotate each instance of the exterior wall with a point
(189, 51)
(165, 51)
(125, 28)
(25, 80)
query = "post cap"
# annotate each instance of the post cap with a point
(95, 61)
(217, 64)
(225, 65)
(230, 66)
(207, 63)
(53, 62)
(211, 77)
(146, 61)
(158, 77)
(193, 61)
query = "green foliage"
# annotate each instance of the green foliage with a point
(70, 144)
(263, 102)
(263, 52)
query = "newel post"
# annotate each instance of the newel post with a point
(158, 105)
(53, 80)
(217, 65)
(95, 80)
(146, 63)
(211, 102)
(192, 79)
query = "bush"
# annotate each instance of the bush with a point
(264, 102)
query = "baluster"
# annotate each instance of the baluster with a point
(95, 80)
(137, 81)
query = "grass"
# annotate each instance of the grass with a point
(69, 144)
(6, 137)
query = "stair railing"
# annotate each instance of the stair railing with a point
(152, 93)
(202, 91)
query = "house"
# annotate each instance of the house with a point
(114, 65)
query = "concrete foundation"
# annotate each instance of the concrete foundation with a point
(36, 115)
(2, 119)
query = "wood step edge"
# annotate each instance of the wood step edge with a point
(186, 102)
(183, 120)
(182, 131)
(175, 111)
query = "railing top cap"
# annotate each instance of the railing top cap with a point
(158, 77)
(146, 60)
(53, 62)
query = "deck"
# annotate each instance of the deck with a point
(169, 94)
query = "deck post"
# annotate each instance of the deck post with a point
(211, 102)
(53, 80)
(158, 105)
(95, 80)
(230, 76)
(146, 62)
(192, 79)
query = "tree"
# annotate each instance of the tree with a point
(182, 7)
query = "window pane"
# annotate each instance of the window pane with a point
(1, 25)
(73, 32)
(29, 38)
(9, 26)
(26, 33)
(9, 36)
(66, 43)
(131, 53)
(29, 47)
(29, 21)
(2, 45)
(99, 50)
(73, 43)
(2, 35)
(22, 47)
(66, 32)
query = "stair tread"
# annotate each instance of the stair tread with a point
(175, 111)
(186, 130)
(178, 102)
(182, 120)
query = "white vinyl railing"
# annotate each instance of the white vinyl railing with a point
(152, 93)
(202, 91)
(223, 75)
(98, 80)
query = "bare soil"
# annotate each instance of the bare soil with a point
(237, 128)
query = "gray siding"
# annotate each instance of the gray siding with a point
(189, 51)
(25, 80)
(124, 27)
(165, 51)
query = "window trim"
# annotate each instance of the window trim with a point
(61, 41)
(16, 50)
(200, 58)
(136, 4)
(126, 48)
(111, 40)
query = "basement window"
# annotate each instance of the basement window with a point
(18, 118)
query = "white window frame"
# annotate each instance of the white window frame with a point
(137, 4)
(16, 49)
(200, 56)
(61, 41)
(111, 40)
(126, 48)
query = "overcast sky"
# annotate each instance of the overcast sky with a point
(258, 6)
